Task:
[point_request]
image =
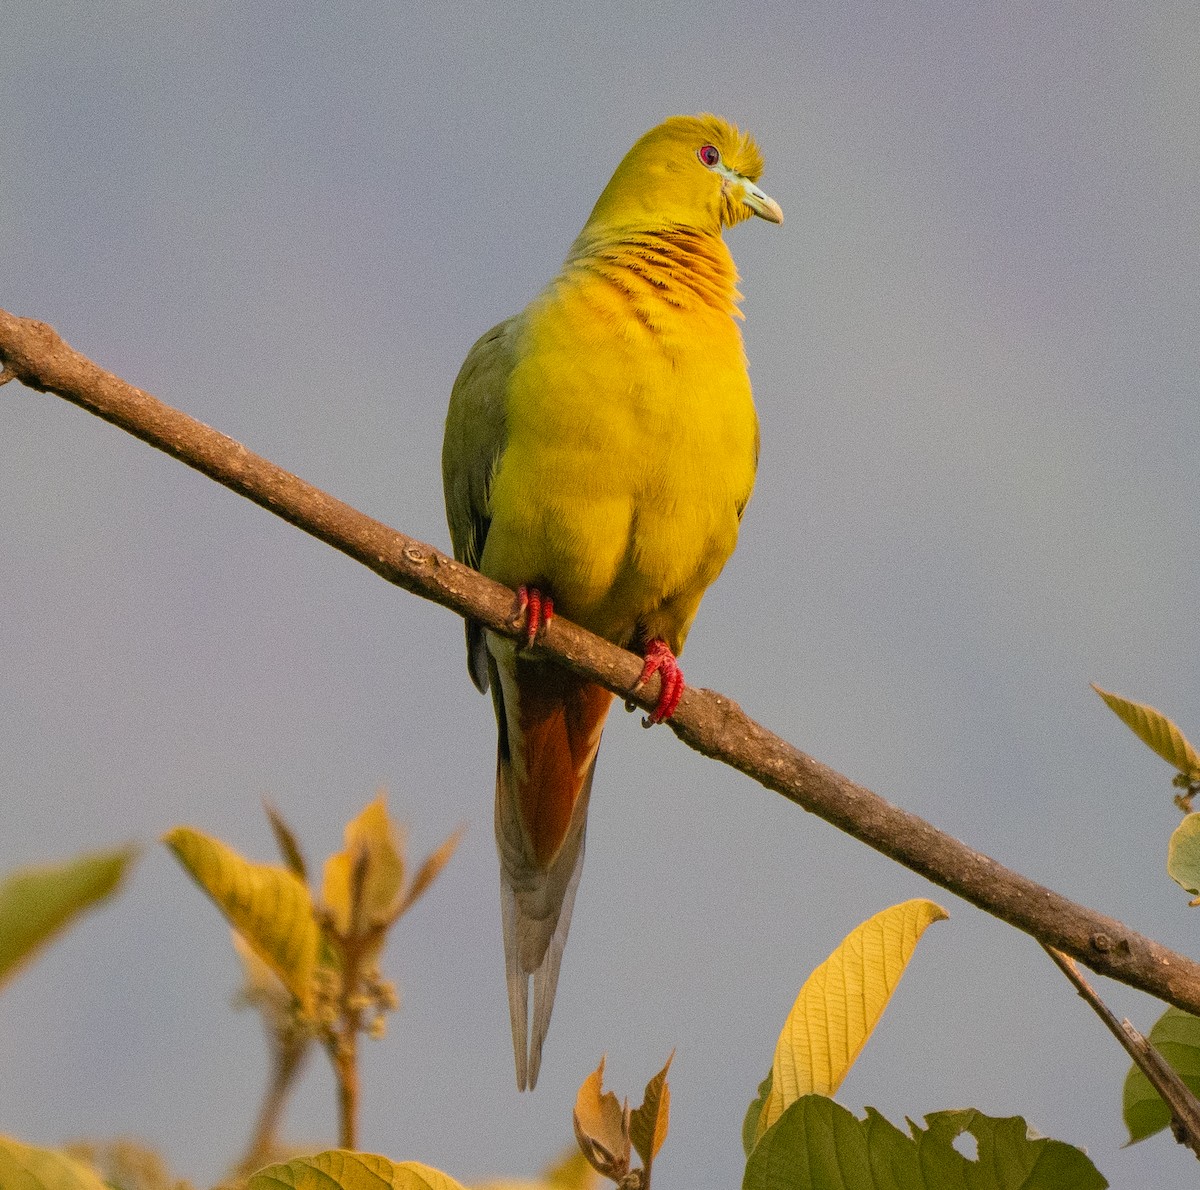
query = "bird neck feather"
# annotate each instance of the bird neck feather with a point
(678, 267)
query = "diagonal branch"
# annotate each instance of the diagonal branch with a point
(1185, 1107)
(708, 722)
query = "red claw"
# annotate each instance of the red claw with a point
(536, 609)
(660, 660)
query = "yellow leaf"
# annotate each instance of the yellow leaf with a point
(1156, 731)
(261, 980)
(570, 1172)
(340, 1169)
(602, 1127)
(267, 905)
(335, 891)
(841, 1003)
(37, 902)
(23, 1167)
(374, 858)
(648, 1124)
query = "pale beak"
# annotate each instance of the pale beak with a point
(763, 205)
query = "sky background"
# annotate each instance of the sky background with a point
(975, 355)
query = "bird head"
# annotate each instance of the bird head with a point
(698, 172)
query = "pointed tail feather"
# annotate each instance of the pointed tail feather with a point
(527, 1046)
(550, 726)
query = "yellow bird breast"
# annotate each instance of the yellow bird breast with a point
(629, 455)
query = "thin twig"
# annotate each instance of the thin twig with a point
(286, 1063)
(705, 721)
(1185, 1107)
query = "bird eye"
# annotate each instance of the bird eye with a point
(710, 155)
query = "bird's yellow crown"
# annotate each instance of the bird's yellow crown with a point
(694, 172)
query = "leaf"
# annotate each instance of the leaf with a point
(841, 1003)
(261, 982)
(1183, 854)
(124, 1164)
(375, 849)
(1156, 731)
(818, 1145)
(23, 1167)
(336, 892)
(341, 1169)
(429, 871)
(570, 1172)
(37, 902)
(1176, 1035)
(602, 1127)
(286, 841)
(267, 905)
(649, 1123)
(754, 1114)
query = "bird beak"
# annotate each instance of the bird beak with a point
(763, 205)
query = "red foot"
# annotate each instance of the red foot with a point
(660, 660)
(536, 609)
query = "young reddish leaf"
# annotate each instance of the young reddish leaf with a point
(1156, 731)
(602, 1127)
(648, 1124)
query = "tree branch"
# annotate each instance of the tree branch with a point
(1185, 1107)
(708, 722)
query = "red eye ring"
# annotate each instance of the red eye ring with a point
(709, 155)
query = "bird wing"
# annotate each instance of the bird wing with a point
(471, 450)
(549, 721)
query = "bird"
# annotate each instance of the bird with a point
(599, 451)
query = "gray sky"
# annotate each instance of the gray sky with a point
(975, 357)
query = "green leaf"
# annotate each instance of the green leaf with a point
(818, 1145)
(841, 1003)
(37, 902)
(22, 1167)
(1183, 854)
(1176, 1035)
(340, 1169)
(267, 905)
(1156, 731)
(754, 1113)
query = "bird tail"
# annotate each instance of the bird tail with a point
(550, 726)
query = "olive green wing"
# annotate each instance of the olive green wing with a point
(471, 450)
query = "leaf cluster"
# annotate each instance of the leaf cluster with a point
(312, 962)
